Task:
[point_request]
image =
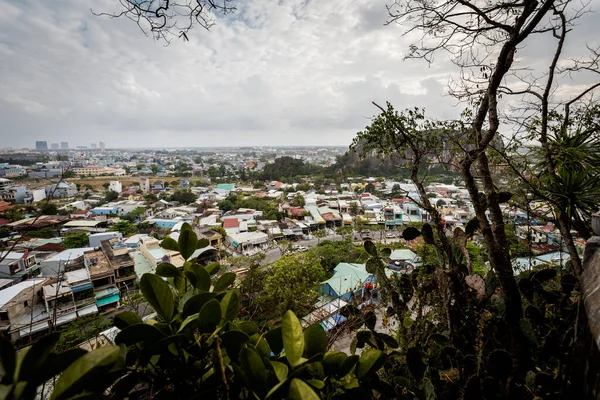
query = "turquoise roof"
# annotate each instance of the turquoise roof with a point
(403, 255)
(226, 186)
(347, 277)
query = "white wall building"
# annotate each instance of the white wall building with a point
(115, 186)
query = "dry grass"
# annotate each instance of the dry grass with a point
(98, 182)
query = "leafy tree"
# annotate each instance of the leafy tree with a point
(111, 196)
(88, 186)
(4, 232)
(69, 173)
(220, 230)
(75, 240)
(183, 196)
(284, 167)
(135, 214)
(125, 227)
(49, 209)
(292, 283)
(298, 201)
(154, 169)
(150, 198)
(370, 188)
(44, 233)
(106, 185)
(319, 234)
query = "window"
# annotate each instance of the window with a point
(26, 303)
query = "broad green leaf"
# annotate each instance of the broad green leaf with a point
(347, 366)
(158, 293)
(178, 283)
(528, 330)
(8, 358)
(189, 322)
(167, 270)
(229, 306)
(249, 328)
(139, 333)
(57, 363)
(333, 361)
(372, 265)
(300, 390)
(281, 370)
(370, 248)
(275, 340)
(190, 277)
(126, 318)
(255, 370)
(202, 277)
(385, 253)
(169, 244)
(74, 379)
(427, 232)
(369, 362)
(202, 243)
(213, 268)
(316, 383)
(195, 303)
(224, 281)
(36, 355)
(293, 340)
(315, 340)
(209, 316)
(187, 243)
(410, 233)
(186, 227)
(234, 340)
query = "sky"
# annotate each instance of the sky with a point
(288, 72)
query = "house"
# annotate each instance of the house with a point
(155, 254)
(346, 280)
(18, 266)
(68, 260)
(102, 277)
(61, 190)
(115, 186)
(121, 263)
(79, 214)
(393, 216)
(248, 243)
(158, 185)
(231, 225)
(145, 185)
(85, 226)
(184, 183)
(16, 306)
(96, 239)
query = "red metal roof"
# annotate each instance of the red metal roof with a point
(230, 223)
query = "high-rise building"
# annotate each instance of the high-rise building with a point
(101, 145)
(64, 145)
(41, 145)
(94, 145)
(54, 146)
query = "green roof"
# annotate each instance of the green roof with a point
(226, 186)
(403, 255)
(347, 277)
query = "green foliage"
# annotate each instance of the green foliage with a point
(111, 196)
(4, 232)
(75, 240)
(49, 209)
(44, 233)
(285, 167)
(183, 196)
(292, 283)
(125, 227)
(135, 214)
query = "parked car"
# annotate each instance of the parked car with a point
(390, 235)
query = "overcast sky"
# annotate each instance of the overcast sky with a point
(278, 73)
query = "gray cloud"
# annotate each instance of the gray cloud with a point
(288, 72)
